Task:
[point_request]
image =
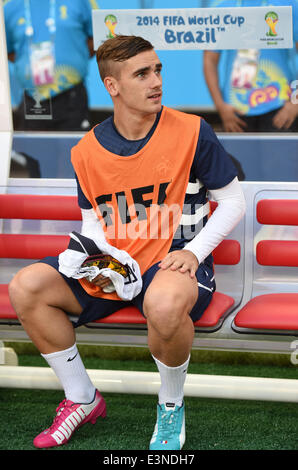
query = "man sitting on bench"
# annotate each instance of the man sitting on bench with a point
(143, 176)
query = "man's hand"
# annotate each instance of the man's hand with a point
(182, 261)
(230, 120)
(101, 281)
(285, 116)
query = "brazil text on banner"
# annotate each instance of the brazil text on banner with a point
(200, 28)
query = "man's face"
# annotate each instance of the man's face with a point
(139, 84)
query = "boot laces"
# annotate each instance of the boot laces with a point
(62, 413)
(168, 423)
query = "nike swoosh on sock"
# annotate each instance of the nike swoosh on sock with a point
(72, 358)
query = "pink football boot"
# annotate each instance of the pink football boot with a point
(70, 416)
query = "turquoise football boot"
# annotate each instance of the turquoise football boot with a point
(169, 431)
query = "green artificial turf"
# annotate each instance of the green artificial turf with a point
(211, 424)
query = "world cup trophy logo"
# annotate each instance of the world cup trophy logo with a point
(271, 19)
(111, 23)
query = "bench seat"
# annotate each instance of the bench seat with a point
(270, 312)
(273, 312)
(219, 305)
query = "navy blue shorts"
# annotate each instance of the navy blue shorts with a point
(95, 307)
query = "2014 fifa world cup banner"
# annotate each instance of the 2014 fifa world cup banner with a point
(200, 28)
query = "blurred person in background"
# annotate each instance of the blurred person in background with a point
(50, 43)
(254, 92)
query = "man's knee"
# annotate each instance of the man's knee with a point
(40, 285)
(166, 312)
(27, 285)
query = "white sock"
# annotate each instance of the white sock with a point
(172, 382)
(71, 372)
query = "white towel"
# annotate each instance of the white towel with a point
(81, 247)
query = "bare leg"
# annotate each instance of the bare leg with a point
(167, 304)
(39, 296)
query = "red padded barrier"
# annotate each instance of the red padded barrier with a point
(6, 309)
(37, 246)
(270, 311)
(32, 246)
(277, 253)
(42, 207)
(228, 252)
(278, 211)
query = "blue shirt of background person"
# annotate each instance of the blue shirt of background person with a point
(73, 29)
(271, 87)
